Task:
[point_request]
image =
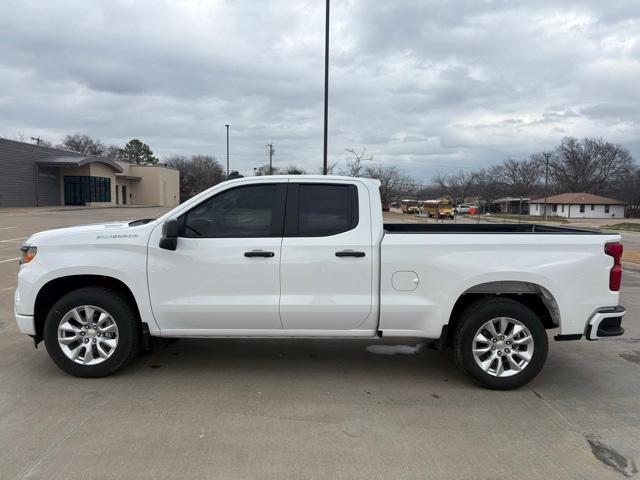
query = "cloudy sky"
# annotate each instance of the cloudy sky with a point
(426, 85)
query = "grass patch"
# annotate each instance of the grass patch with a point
(630, 227)
(523, 218)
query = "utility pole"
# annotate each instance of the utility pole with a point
(326, 87)
(37, 140)
(227, 125)
(546, 182)
(270, 150)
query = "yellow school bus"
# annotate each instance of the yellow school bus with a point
(410, 206)
(440, 209)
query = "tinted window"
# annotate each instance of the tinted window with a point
(241, 212)
(327, 209)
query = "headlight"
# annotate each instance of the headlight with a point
(28, 254)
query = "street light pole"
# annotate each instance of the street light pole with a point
(326, 87)
(546, 182)
(227, 125)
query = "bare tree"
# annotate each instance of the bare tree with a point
(457, 187)
(113, 152)
(196, 173)
(519, 177)
(293, 170)
(628, 190)
(81, 143)
(589, 165)
(354, 167)
(331, 166)
(392, 181)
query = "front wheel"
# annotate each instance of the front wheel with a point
(500, 343)
(92, 332)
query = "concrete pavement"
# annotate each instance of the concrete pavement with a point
(233, 409)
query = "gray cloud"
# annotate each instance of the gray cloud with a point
(429, 86)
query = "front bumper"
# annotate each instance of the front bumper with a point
(605, 322)
(25, 323)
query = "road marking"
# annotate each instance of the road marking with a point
(13, 239)
(410, 221)
(7, 289)
(6, 228)
(10, 260)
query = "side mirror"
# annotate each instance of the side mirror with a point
(169, 239)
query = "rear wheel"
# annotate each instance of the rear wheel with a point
(92, 332)
(500, 343)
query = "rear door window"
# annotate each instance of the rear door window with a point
(317, 210)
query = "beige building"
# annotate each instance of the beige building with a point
(129, 184)
(32, 175)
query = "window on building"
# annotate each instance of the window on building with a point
(606, 209)
(554, 207)
(562, 208)
(593, 207)
(79, 190)
(581, 208)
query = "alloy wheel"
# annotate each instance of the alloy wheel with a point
(88, 335)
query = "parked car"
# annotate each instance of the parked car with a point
(310, 256)
(385, 207)
(462, 209)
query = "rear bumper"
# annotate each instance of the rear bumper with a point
(605, 322)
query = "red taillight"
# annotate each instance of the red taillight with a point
(614, 249)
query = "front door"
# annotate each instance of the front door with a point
(224, 274)
(326, 267)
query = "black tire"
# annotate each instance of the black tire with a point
(124, 316)
(474, 317)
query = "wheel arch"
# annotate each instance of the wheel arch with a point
(55, 289)
(532, 295)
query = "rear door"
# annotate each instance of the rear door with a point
(326, 263)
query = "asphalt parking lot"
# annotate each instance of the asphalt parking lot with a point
(234, 409)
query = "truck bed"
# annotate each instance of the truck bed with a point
(496, 228)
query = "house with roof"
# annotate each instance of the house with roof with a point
(577, 205)
(32, 176)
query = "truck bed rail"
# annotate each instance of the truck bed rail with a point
(495, 228)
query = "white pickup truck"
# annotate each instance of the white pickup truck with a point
(310, 256)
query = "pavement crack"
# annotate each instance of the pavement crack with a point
(573, 427)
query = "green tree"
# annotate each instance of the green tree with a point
(139, 153)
